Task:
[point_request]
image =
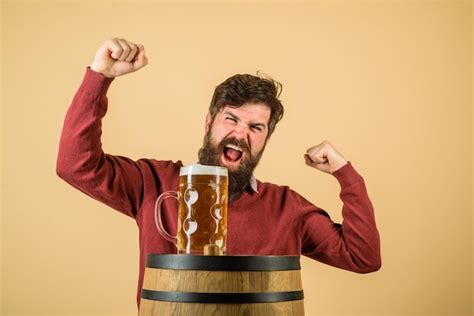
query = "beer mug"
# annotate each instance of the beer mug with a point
(202, 211)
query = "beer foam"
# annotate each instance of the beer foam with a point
(203, 170)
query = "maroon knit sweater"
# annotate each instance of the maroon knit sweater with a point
(273, 221)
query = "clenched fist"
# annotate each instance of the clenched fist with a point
(117, 57)
(324, 157)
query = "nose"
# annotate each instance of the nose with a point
(240, 132)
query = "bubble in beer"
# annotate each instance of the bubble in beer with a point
(190, 226)
(209, 196)
(190, 196)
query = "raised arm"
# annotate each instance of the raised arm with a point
(113, 180)
(355, 244)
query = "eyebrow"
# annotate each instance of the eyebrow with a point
(232, 114)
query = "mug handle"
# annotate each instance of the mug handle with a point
(158, 219)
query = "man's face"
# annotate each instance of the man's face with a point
(236, 140)
(242, 130)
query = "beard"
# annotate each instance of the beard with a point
(239, 178)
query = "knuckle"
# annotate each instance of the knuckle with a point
(111, 40)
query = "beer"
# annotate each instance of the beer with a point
(202, 213)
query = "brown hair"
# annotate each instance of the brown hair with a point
(240, 89)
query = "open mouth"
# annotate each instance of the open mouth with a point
(232, 153)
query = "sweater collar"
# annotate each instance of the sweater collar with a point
(253, 184)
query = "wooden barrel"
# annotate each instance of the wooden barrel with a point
(222, 285)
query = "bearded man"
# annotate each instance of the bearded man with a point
(263, 218)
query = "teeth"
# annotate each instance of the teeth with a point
(234, 147)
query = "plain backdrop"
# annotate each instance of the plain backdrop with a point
(389, 83)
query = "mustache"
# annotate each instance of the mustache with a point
(234, 141)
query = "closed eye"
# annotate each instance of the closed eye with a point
(231, 119)
(256, 128)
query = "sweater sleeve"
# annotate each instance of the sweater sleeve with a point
(113, 180)
(354, 245)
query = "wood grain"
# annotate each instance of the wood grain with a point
(233, 282)
(222, 281)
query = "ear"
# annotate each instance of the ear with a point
(207, 125)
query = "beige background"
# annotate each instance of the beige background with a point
(389, 83)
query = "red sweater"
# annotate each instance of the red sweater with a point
(273, 221)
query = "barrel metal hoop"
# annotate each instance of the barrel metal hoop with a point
(222, 298)
(223, 263)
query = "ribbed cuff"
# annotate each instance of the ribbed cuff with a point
(96, 83)
(346, 175)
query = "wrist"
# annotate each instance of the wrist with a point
(338, 165)
(102, 71)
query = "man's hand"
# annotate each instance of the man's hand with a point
(117, 57)
(324, 157)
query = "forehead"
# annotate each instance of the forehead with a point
(251, 112)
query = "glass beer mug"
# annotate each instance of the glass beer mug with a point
(202, 212)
